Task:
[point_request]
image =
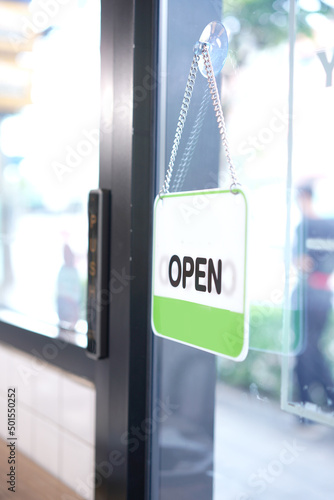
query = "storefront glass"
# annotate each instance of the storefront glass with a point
(260, 428)
(49, 149)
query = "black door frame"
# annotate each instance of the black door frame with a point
(128, 42)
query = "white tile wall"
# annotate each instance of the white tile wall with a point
(3, 406)
(55, 417)
(77, 460)
(77, 409)
(46, 393)
(20, 374)
(45, 449)
(3, 372)
(24, 429)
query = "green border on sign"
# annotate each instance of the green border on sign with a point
(209, 328)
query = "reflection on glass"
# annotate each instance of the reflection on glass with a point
(49, 137)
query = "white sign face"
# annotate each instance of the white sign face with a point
(199, 269)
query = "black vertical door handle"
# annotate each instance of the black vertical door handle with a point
(99, 206)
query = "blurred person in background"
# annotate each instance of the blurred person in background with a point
(313, 255)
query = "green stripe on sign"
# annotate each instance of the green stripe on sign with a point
(207, 327)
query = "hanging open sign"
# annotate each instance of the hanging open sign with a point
(199, 270)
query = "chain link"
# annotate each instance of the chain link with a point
(186, 158)
(183, 167)
(219, 112)
(181, 121)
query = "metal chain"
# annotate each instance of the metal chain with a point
(181, 121)
(186, 158)
(219, 113)
(183, 167)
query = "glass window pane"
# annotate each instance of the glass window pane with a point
(251, 429)
(49, 139)
(309, 383)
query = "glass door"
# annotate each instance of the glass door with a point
(262, 427)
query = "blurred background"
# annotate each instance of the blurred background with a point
(49, 153)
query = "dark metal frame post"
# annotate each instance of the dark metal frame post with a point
(127, 168)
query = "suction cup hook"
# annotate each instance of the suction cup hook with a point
(215, 36)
